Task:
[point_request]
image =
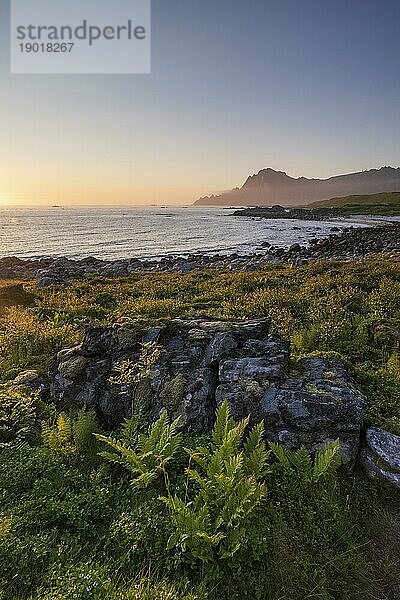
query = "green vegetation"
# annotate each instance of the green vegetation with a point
(350, 309)
(372, 204)
(236, 526)
(146, 456)
(230, 486)
(72, 435)
(149, 514)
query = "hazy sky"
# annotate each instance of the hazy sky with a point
(310, 87)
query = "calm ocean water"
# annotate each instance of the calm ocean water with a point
(152, 232)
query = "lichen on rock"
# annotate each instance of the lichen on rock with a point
(200, 363)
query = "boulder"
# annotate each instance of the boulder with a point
(298, 262)
(51, 281)
(31, 380)
(381, 457)
(73, 366)
(244, 379)
(189, 367)
(317, 402)
(11, 261)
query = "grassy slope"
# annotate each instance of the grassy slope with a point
(378, 204)
(76, 530)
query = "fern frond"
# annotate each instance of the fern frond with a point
(59, 438)
(195, 476)
(254, 438)
(234, 464)
(302, 461)
(213, 540)
(145, 479)
(326, 460)
(157, 430)
(241, 427)
(256, 463)
(130, 429)
(123, 455)
(223, 423)
(64, 428)
(113, 458)
(148, 456)
(200, 458)
(281, 453)
(83, 429)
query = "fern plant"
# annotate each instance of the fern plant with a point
(59, 436)
(72, 435)
(145, 455)
(308, 489)
(229, 482)
(84, 428)
(325, 463)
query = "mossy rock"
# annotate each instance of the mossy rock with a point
(173, 393)
(143, 397)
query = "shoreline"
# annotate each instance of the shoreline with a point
(313, 214)
(348, 244)
(114, 236)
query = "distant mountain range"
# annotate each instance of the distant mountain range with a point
(270, 187)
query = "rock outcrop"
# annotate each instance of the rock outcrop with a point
(191, 366)
(381, 457)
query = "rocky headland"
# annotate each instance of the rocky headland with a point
(280, 212)
(277, 187)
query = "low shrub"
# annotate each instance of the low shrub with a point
(18, 416)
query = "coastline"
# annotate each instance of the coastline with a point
(349, 213)
(146, 233)
(348, 244)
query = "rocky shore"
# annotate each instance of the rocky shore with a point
(351, 244)
(279, 212)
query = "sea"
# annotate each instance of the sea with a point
(112, 233)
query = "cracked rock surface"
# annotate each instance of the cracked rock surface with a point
(200, 363)
(381, 457)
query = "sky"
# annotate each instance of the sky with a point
(308, 87)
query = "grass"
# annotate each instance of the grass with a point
(71, 526)
(348, 308)
(372, 204)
